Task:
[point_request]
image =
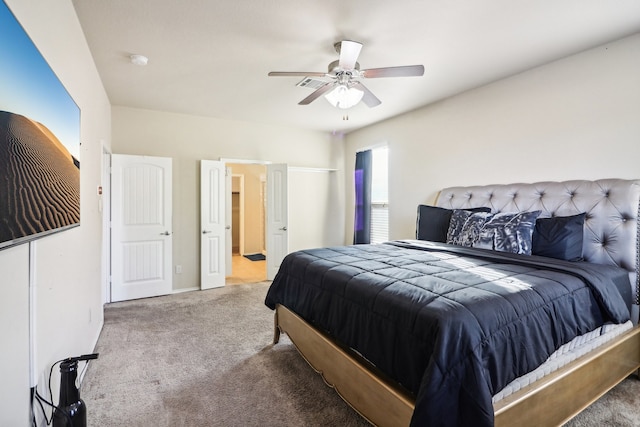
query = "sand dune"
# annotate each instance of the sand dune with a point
(39, 182)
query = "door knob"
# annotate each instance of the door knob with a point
(205, 231)
(166, 233)
(228, 227)
(284, 228)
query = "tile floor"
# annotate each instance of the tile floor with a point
(246, 271)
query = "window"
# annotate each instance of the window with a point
(380, 195)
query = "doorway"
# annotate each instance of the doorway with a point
(248, 205)
(215, 220)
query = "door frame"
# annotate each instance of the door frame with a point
(241, 210)
(104, 191)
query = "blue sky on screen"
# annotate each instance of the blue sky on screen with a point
(29, 87)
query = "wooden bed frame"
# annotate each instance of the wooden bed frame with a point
(608, 236)
(553, 400)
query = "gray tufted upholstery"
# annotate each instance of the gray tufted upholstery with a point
(611, 233)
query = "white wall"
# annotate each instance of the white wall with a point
(67, 265)
(14, 335)
(188, 139)
(576, 118)
(316, 207)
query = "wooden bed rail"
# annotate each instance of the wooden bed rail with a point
(559, 396)
(376, 399)
(550, 401)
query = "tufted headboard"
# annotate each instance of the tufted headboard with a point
(611, 233)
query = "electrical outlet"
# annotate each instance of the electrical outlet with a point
(178, 269)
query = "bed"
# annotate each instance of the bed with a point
(429, 333)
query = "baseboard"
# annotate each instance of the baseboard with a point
(181, 290)
(95, 341)
(95, 344)
(35, 412)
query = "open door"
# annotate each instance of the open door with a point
(277, 233)
(212, 224)
(141, 245)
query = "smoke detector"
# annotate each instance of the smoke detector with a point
(139, 60)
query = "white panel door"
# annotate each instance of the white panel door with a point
(212, 224)
(141, 247)
(277, 232)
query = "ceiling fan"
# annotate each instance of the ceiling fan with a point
(344, 89)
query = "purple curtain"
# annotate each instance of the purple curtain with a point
(362, 177)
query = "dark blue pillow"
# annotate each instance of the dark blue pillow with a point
(559, 237)
(433, 222)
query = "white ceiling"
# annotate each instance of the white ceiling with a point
(211, 57)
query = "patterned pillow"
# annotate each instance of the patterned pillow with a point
(505, 232)
(465, 226)
(509, 232)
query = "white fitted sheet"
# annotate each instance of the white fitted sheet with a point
(569, 352)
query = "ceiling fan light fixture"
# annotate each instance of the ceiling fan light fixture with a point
(344, 97)
(344, 90)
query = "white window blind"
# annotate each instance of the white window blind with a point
(379, 222)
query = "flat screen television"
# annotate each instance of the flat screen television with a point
(39, 142)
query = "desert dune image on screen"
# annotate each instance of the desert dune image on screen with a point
(39, 141)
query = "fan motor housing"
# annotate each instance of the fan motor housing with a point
(335, 66)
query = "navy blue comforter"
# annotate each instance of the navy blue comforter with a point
(452, 325)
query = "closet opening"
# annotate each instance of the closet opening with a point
(248, 223)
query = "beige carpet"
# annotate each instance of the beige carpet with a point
(205, 359)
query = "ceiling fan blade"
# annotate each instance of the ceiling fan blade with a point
(296, 73)
(317, 93)
(368, 98)
(349, 52)
(403, 71)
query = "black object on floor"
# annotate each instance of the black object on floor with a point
(71, 410)
(255, 257)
